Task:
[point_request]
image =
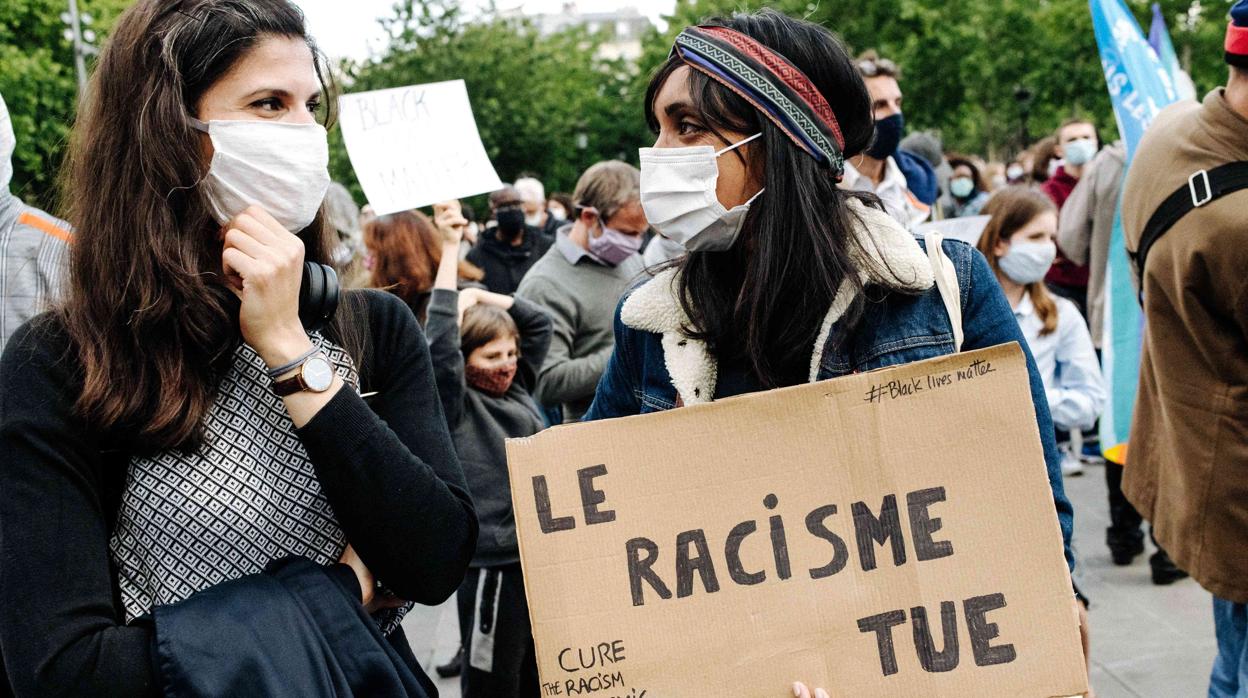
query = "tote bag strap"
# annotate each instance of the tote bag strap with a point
(947, 283)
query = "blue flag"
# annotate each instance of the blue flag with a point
(1139, 87)
(1159, 39)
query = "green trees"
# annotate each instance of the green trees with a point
(552, 106)
(964, 61)
(38, 83)
(545, 105)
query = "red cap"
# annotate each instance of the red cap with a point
(1237, 35)
(1237, 40)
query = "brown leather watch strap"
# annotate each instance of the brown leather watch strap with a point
(290, 386)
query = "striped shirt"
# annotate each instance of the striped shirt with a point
(32, 262)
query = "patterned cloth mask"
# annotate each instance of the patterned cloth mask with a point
(491, 381)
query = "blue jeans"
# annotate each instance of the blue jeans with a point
(1230, 669)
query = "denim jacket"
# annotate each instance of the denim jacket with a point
(911, 323)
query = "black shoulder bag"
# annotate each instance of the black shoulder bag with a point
(1202, 187)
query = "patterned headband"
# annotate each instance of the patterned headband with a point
(767, 80)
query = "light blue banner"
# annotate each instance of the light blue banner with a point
(1139, 87)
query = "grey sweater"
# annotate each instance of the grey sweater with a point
(481, 423)
(581, 300)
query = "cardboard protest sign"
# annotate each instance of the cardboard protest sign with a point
(415, 146)
(883, 534)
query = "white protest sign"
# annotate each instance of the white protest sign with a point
(968, 229)
(415, 146)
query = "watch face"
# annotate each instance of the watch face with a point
(318, 375)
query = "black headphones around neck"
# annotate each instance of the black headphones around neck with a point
(318, 295)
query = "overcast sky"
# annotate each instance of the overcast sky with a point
(349, 29)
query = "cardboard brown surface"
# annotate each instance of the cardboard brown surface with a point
(952, 440)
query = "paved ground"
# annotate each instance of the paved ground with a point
(1147, 641)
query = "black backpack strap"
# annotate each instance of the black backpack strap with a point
(1202, 187)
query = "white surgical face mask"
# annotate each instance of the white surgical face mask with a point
(1080, 152)
(678, 195)
(281, 167)
(1028, 262)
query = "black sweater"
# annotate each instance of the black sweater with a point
(481, 423)
(389, 472)
(505, 265)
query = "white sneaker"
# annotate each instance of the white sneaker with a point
(1071, 465)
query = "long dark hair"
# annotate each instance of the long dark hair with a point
(147, 310)
(762, 302)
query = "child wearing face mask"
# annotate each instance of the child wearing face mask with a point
(1018, 242)
(487, 349)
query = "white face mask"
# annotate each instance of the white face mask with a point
(1028, 262)
(1080, 152)
(284, 168)
(678, 195)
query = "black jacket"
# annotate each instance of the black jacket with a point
(503, 264)
(386, 464)
(306, 635)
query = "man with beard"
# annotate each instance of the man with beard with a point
(507, 249)
(905, 183)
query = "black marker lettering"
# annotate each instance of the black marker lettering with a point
(840, 553)
(982, 632)
(732, 553)
(592, 497)
(541, 493)
(922, 525)
(639, 569)
(887, 527)
(932, 661)
(701, 563)
(882, 625)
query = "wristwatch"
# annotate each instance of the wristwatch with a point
(315, 375)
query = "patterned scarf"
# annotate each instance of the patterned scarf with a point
(249, 495)
(767, 80)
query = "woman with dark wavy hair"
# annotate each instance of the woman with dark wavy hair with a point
(788, 278)
(182, 458)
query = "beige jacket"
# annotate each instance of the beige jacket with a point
(1087, 223)
(1187, 464)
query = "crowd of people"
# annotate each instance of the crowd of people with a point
(186, 452)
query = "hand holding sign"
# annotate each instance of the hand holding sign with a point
(801, 691)
(413, 146)
(448, 217)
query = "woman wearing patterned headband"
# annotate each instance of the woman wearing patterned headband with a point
(755, 116)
